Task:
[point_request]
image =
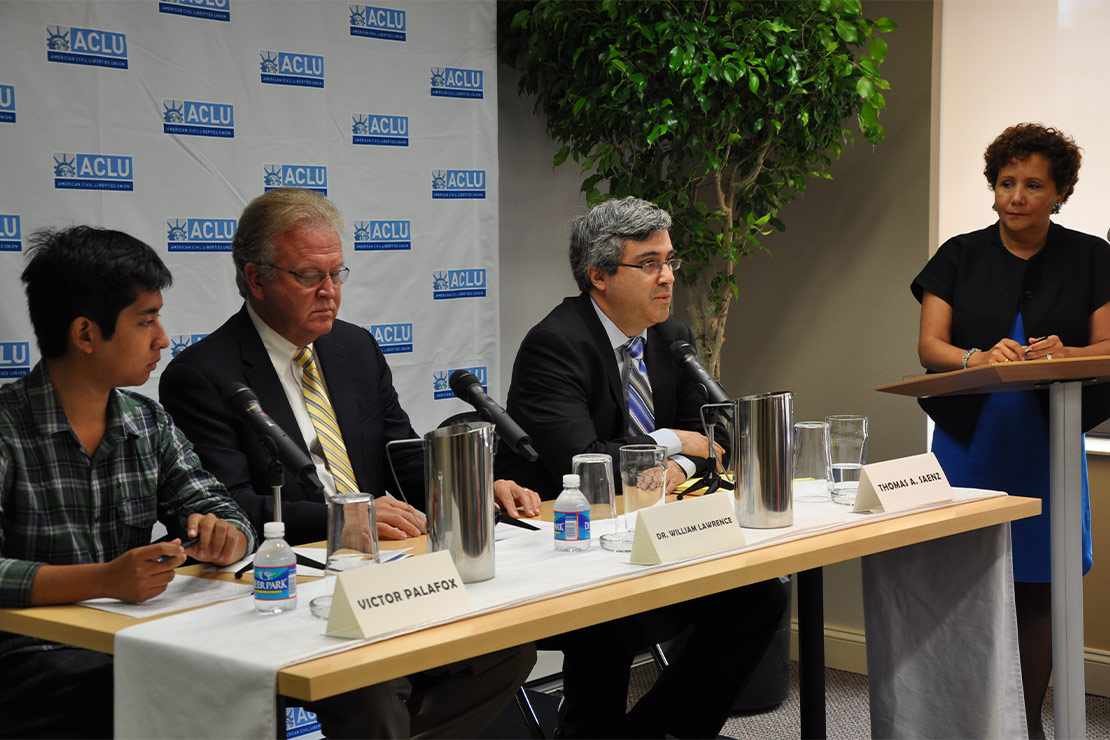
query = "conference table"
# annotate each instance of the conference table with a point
(476, 635)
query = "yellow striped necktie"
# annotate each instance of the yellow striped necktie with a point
(323, 419)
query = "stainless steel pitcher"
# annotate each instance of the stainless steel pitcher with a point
(458, 473)
(762, 455)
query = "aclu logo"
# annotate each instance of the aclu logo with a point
(178, 342)
(7, 103)
(441, 381)
(392, 338)
(89, 46)
(290, 68)
(211, 10)
(200, 234)
(93, 172)
(454, 184)
(11, 233)
(451, 82)
(383, 236)
(194, 118)
(459, 284)
(15, 359)
(370, 129)
(310, 176)
(378, 23)
(299, 721)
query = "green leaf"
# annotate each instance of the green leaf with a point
(865, 88)
(885, 25)
(676, 57)
(847, 31)
(753, 82)
(579, 105)
(877, 47)
(868, 116)
(561, 156)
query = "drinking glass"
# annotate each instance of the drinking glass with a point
(595, 474)
(811, 461)
(643, 479)
(352, 542)
(847, 454)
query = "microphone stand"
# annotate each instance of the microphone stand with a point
(275, 476)
(711, 481)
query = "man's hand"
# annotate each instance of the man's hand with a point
(675, 475)
(397, 520)
(220, 541)
(695, 444)
(511, 497)
(137, 575)
(356, 534)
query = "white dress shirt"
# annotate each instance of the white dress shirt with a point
(665, 437)
(281, 352)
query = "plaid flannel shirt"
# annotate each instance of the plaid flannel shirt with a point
(60, 506)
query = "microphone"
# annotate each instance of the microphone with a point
(242, 402)
(686, 357)
(467, 387)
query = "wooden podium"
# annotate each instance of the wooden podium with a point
(1064, 379)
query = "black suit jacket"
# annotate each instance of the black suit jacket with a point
(365, 402)
(566, 393)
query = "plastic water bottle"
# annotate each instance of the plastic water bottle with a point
(572, 517)
(275, 572)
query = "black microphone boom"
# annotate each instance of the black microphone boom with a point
(468, 388)
(243, 403)
(686, 357)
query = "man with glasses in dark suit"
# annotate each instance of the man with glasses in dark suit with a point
(596, 374)
(326, 383)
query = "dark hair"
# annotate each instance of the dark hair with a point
(597, 238)
(84, 271)
(1018, 142)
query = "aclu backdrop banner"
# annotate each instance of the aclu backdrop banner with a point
(163, 118)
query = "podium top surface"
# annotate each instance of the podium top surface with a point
(1003, 376)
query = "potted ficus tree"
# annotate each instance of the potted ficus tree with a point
(717, 111)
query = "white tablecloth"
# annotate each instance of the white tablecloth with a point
(211, 673)
(942, 647)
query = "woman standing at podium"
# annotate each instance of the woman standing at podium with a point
(1023, 288)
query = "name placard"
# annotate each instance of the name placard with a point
(685, 529)
(377, 599)
(902, 484)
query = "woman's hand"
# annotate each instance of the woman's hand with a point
(1005, 350)
(1046, 348)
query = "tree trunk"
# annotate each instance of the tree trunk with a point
(707, 323)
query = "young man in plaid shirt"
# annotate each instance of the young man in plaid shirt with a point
(87, 468)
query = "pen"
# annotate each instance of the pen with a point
(184, 545)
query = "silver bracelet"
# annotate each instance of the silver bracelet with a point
(967, 356)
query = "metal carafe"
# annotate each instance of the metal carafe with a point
(458, 475)
(762, 455)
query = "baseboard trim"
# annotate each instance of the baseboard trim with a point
(846, 650)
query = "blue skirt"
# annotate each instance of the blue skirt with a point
(1009, 452)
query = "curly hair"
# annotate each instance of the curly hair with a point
(1018, 142)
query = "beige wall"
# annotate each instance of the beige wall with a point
(1096, 585)
(828, 314)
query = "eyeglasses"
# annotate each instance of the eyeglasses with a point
(312, 279)
(654, 267)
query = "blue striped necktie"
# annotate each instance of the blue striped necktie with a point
(641, 410)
